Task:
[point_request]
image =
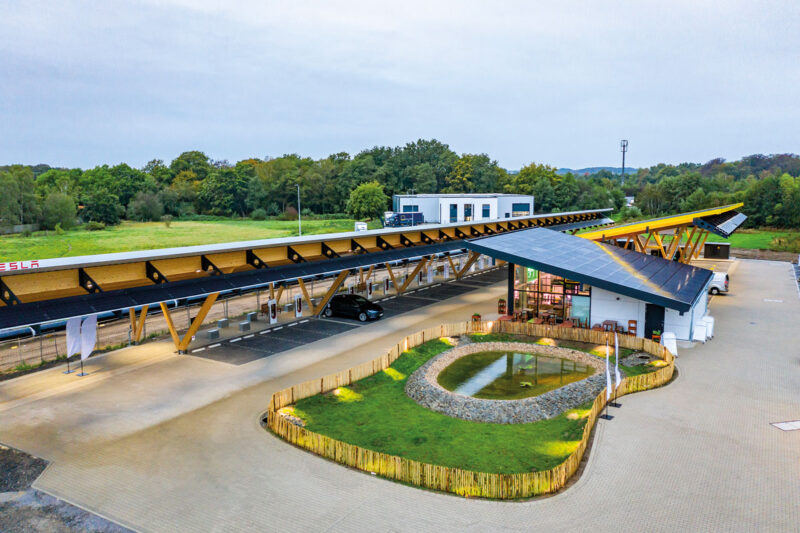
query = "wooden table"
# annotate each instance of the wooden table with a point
(610, 325)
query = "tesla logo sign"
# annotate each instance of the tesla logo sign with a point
(18, 265)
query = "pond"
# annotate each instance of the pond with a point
(510, 375)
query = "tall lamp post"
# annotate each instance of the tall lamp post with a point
(299, 218)
(623, 146)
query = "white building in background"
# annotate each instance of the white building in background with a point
(447, 208)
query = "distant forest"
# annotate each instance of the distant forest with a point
(193, 185)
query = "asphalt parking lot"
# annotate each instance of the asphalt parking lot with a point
(273, 340)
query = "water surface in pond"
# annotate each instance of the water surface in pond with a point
(510, 375)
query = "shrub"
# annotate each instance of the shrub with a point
(102, 206)
(273, 210)
(307, 212)
(145, 206)
(289, 214)
(167, 220)
(94, 226)
(59, 230)
(258, 214)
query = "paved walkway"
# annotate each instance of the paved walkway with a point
(176, 445)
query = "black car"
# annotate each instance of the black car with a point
(354, 306)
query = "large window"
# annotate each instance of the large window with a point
(487, 211)
(520, 210)
(410, 209)
(550, 298)
(467, 212)
(453, 212)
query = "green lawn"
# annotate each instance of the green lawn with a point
(130, 236)
(376, 414)
(763, 239)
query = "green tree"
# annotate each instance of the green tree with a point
(367, 201)
(224, 192)
(459, 180)
(102, 206)
(193, 161)
(58, 208)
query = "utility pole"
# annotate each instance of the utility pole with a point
(299, 219)
(623, 146)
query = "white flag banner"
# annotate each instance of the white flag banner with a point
(430, 274)
(369, 288)
(608, 375)
(73, 336)
(88, 336)
(616, 361)
(446, 271)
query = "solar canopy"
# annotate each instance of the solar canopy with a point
(723, 224)
(644, 277)
(28, 314)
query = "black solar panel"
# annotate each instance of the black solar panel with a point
(644, 277)
(51, 310)
(723, 224)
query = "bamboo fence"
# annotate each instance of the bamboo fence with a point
(456, 480)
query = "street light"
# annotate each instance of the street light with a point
(623, 146)
(299, 219)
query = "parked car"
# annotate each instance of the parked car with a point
(719, 283)
(353, 306)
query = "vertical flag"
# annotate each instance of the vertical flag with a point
(446, 271)
(608, 375)
(616, 361)
(73, 336)
(369, 289)
(88, 336)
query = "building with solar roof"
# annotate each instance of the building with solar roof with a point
(555, 278)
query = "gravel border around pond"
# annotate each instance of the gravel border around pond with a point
(423, 388)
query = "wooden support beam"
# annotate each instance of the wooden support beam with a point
(280, 293)
(369, 273)
(391, 276)
(183, 344)
(412, 275)
(660, 244)
(675, 242)
(452, 265)
(307, 296)
(697, 250)
(684, 257)
(637, 243)
(137, 326)
(473, 256)
(331, 291)
(271, 290)
(170, 325)
(691, 247)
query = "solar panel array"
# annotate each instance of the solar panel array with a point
(53, 310)
(644, 277)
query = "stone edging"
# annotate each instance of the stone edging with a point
(424, 389)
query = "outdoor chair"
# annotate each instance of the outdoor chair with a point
(632, 327)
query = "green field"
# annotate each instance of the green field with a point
(130, 236)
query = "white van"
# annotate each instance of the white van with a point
(719, 283)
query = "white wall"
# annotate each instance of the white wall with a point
(429, 207)
(505, 203)
(611, 306)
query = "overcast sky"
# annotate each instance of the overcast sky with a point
(87, 83)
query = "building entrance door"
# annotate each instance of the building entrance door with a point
(653, 320)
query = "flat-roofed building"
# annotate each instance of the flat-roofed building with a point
(448, 208)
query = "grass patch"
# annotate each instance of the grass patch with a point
(130, 236)
(383, 418)
(778, 240)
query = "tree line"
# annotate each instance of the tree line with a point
(193, 185)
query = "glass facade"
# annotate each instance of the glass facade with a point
(549, 298)
(487, 211)
(520, 210)
(453, 212)
(410, 209)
